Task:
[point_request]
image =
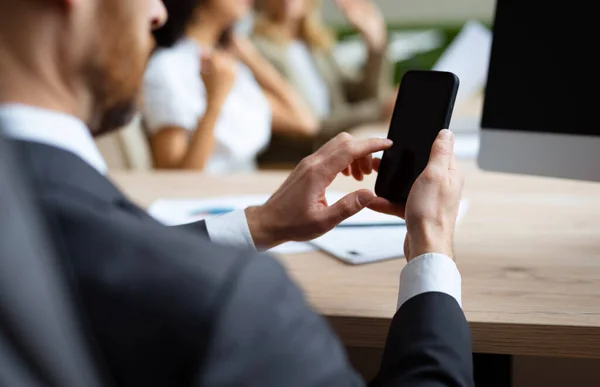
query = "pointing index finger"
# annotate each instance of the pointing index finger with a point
(351, 150)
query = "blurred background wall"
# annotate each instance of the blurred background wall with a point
(424, 11)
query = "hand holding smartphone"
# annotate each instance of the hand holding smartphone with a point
(423, 108)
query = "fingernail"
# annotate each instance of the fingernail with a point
(446, 134)
(361, 201)
(364, 199)
(389, 142)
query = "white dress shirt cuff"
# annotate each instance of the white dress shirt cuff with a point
(230, 229)
(430, 273)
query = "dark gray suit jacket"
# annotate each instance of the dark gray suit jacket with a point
(166, 307)
(32, 290)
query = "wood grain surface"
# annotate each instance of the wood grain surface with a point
(528, 250)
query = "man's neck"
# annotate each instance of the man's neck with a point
(32, 95)
(37, 78)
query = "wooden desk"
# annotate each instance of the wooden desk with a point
(528, 250)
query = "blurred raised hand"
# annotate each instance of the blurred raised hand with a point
(218, 71)
(366, 17)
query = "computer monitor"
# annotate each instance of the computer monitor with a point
(537, 117)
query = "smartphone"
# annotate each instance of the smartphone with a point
(423, 108)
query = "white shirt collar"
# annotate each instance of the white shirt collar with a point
(59, 130)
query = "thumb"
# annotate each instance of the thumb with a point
(348, 206)
(442, 150)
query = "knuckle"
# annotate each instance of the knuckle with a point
(311, 164)
(307, 162)
(346, 209)
(432, 175)
(348, 146)
(344, 136)
(442, 149)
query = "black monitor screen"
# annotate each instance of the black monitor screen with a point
(540, 68)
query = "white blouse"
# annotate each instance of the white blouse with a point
(313, 85)
(174, 95)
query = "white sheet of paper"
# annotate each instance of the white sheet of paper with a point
(468, 57)
(181, 211)
(360, 245)
(173, 212)
(366, 216)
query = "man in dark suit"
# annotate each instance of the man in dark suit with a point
(176, 306)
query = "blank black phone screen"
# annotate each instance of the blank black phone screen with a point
(423, 108)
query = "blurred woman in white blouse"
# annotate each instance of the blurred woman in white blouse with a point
(210, 101)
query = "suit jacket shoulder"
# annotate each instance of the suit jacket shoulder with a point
(149, 291)
(166, 307)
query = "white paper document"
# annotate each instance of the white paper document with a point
(359, 245)
(181, 211)
(366, 237)
(468, 57)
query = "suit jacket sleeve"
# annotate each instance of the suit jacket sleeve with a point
(196, 227)
(230, 229)
(429, 344)
(266, 335)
